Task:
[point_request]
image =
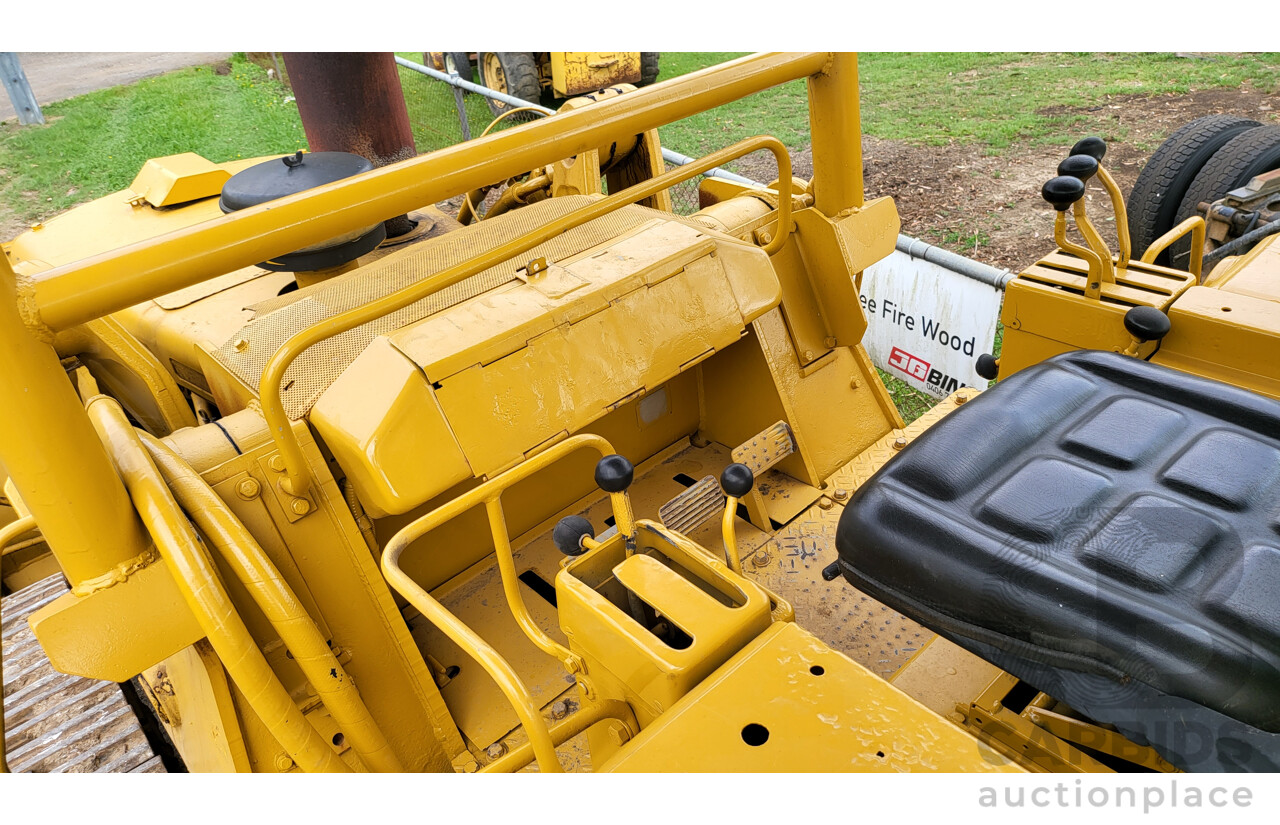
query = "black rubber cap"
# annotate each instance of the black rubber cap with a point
(614, 473)
(1147, 323)
(1094, 147)
(1079, 166)
(290, 175)
(1063, 191)
(568, 532)
(737, 480)
(831, 572)
(988, 367)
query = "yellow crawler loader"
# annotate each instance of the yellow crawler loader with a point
(587, 485)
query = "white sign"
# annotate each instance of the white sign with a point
(926, 324)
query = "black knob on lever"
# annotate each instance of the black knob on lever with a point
(568, 534)
(737, 480)
(1079, 166)
(1063, 191)
(1094, 147)
(1147, 323)
(614, 473)
(831, 572)
(988, 367)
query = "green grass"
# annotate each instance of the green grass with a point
(995, 99)
(95, 144)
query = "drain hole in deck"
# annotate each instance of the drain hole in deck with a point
(817, 670)
(687, 481)
(539, 585)
(755, 735)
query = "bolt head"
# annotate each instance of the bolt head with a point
(853, 383)
(961, 398)
(283, 762)
(248, 489)
(241, 345)
(496, 750)
(276, 463)
(559, 710)
(899, 443)
(840, 494)
(826, 503)
(760, 559)
(300, 506)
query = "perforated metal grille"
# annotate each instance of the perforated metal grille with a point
(247, 352)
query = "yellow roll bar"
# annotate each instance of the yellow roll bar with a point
(74, 293)
(508, 681)
(298, 478)
(1194, 225)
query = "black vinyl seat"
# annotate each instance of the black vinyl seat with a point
(1107, 530)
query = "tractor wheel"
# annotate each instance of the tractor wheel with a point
(512, 73)
(1235, 164)
(458, 63)
(648, 67)
(1164, 181)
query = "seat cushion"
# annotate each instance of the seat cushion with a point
(1095, 514)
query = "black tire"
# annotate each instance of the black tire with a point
(515, 73)
(1163, 182)
(648, 67)
(461, 61)
(1249, 154)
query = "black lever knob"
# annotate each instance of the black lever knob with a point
(568, 534)
(831, 572)
(1147, 323)
(1094, 147)
(1079, 166)
(1063, 191)
(614, 473)
(737, 480)
(988, 367)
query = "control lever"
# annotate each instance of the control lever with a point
(574, 535)
(614, 475)
(1061, 192)
(1085, 167)
(736, 480)
(1145, 324)
(1096, 148)
(988, 366)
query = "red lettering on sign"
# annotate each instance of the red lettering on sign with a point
(908, 364)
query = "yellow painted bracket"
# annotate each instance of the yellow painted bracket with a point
(119, 631)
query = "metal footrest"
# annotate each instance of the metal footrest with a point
(699, 502)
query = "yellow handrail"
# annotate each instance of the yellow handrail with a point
(298, 478)
(489, 494)
(1194, 225)
(8, 533)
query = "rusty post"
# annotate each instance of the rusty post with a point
(352, 102)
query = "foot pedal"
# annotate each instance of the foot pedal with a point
(705, 499)
(766, 449)
(699, 502)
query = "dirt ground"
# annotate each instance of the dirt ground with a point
(947, 195)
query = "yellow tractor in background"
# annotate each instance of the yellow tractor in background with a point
(588, 485)
(528, 75)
